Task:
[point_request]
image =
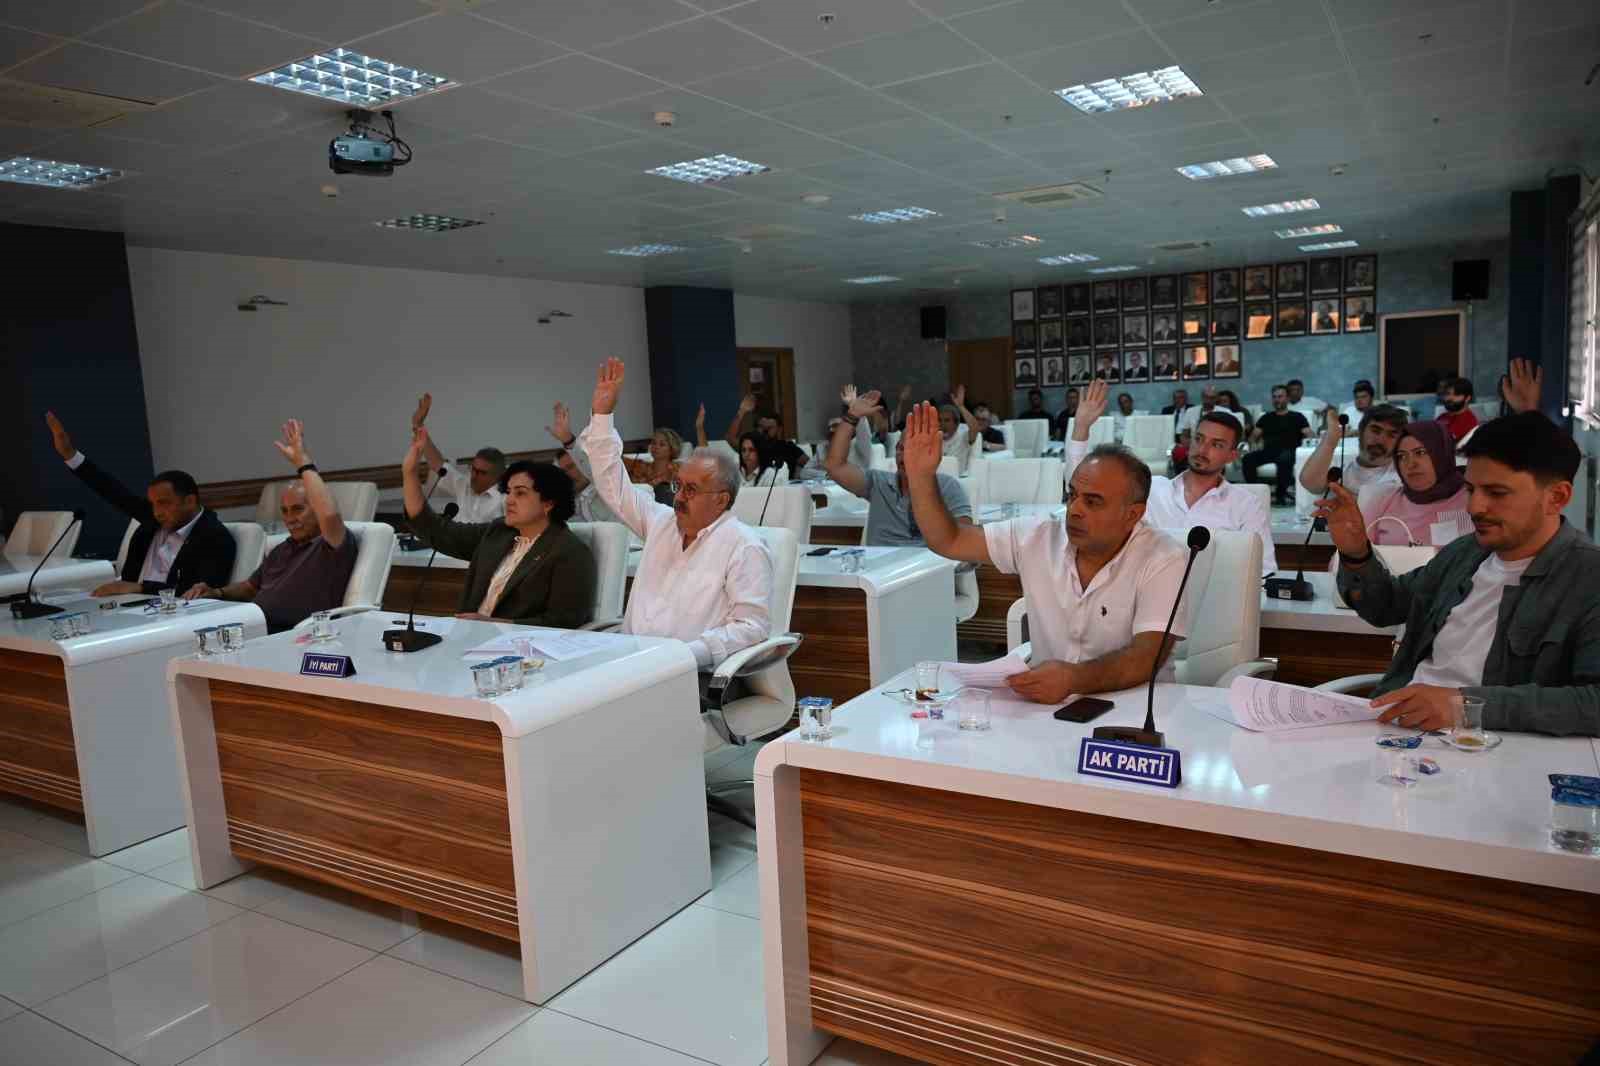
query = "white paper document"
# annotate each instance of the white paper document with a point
(1268, 706)
(556, 645)
(991, 674)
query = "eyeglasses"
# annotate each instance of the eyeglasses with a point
(688, 491)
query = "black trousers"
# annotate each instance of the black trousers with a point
(1284, 460)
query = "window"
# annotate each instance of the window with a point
(1583, 362)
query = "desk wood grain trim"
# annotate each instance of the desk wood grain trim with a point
(836, 658)
(441, 595)
(396, 804)
(37, 756)
(961, 930)
(822, 533)
(1309, 657)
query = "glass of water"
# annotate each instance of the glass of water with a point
(1468, 733)
(80, 623)
(486, 679)
(1575, 821)
(510, 667)
(60, 627)
(207, 642)
(169, 601)
(232, 636)
(850, 562)
(816, 717)
(972, 709)
(322, 626)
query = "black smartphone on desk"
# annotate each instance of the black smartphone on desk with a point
(1083, 709)
(814, 552)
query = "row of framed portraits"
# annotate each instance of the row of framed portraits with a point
(1255, 320)
(1189, 362)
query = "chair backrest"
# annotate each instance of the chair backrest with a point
(374, 555)
(948, 465)
(122, 549)
(880, 453)
(789, 507)
(250, 544)
(1148, 433)
(891, 440)
(724, 446)
(785, 572)
(1021, 481)
(357, 500)
(1028, 437)
(1224, 617)
(35, 531)
(267, 505)
(608, 543)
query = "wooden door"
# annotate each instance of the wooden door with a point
(984, 367)
(768, 375)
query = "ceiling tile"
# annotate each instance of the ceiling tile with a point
(99, 150)
(586, 26)
(17, 45)
(797, 26)
(1034, 24)
(203, 39)
(227, 114)
(780, 84)
(696, 116)
(691, 51)
(1300, 94)
(1352, 13)
(95, 70)
(896, 57)
(330, 23)
(829, 114)
(1105, 57)
(1233, 30)
(1561, 58)
(1478, 23)
(457, 46)
(65, 19)
(573, 83)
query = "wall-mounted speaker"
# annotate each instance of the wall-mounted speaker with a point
(933, 323)
(1469, 279)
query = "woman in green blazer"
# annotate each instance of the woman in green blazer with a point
(527, 567)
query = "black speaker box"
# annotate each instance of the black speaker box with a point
(933, 323)
(1469, 279)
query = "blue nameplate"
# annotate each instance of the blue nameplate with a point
(1130, 762)
(316, 664)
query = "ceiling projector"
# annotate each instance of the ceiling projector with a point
(368, 149)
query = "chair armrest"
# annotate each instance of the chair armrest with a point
(1359, 685)
(755, 658)
(966, 568)
(601, 625)
(1253, 668)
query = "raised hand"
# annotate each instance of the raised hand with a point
(1331, 420)
(1521, 385)
(293, 445)
(608, 382)
(419, 441)
(562, 428)
(59, 437)
(1345, 525)
(923, 443)
(863, 405)
(847, 394)
(424, 405)
(700, 417)
(959, 395)
(1091, 405)
(905, 393)
(747, 404)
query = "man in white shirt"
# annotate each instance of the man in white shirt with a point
(1100, 583)
(1125, 411)
(1309, 406)
(1192, 415)
(1200, 496)
(476, 490)
(587, 506)
(704, 577)
(1362, 396)
(1379, 431)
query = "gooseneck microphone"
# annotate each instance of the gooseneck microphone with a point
(1199, 537)
(408, 639)
(774, 465)
(28, 607)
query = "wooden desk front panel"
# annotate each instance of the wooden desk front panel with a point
(395, 804)
(1310, 657)
(37, 757)
(849, 536)
(1293, 557)
(964, 930)
(441, 595)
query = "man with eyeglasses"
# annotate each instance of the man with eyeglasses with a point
(704, 577)
(476, 490)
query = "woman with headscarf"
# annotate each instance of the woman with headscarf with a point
(1429, 506)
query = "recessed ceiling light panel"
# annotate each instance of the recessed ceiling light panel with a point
(1283, 207)
(1310, 231)
(1130, 90)
(1222, 168)
(642, 250)
(1021, 240)
(896, 214)
(353, 78)
(1328, 246)
(872, 279)
(430, 223)
(54, 174)
(709, 168)
(1112, 270)
(1069, 258)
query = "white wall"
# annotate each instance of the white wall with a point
(354, 349)
(819, 333)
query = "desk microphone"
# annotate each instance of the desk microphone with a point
(408, 639)
(773, 464)
(1199, 537)
(28, 607)
(1320, 525)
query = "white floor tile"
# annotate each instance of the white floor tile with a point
(693, 984)
(738, 768)
(8, 1008)
(60, 828)
(29, 1040)
(849, 1053)
(739, 894)
(50, 953)
(374, 925)
(475, 957)
(733, 847)
(181, 1000)
(180, 873)
(45, 876)
(251, 891)
(157, 851)
(550, 1038)
(383, 1013)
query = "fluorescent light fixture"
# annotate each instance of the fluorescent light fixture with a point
(642, 250)
(353, 78)
(1311, 231)
(1021, 240)
(54, 174)
(1328, 246)
(1070, 257)
(709, 168)
(431, 223)
(1112, 270)
(1130, 90)
(872, 279)
(1283, 207)
(897, 214)
(1222, 168)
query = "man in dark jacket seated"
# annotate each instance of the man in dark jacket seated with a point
(527, 567)
(178, 542)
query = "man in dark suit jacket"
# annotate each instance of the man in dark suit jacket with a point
(527, 567)
(178, 542)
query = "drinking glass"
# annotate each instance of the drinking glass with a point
(207, 642)
(79, 623)
(1008, 511)
(850, 562)
(486, 679)
(972, 709)
(816, 718)
(322, 626)
(232, 636)
(60, 627)
(1468, 734)
(1575, 822)
(169, 601)
(510, 676)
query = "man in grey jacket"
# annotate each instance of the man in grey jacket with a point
(1510, 613)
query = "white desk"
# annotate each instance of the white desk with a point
(59, 573)
(1319, 640)
(568, 816)
(440, 587)
(969, 897)
(84, 722)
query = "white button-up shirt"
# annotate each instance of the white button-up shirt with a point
(1133, 593)
(1312, 408)
(164, 546)
(715, 594)
(456, 482)
(1228, 506)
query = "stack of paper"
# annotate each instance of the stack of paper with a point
(1267, 706)
(991, 674)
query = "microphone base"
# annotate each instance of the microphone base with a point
(408, 640)
(1129, 734)
(25, 609)
(1289, 588)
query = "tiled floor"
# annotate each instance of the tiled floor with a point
(116, 960)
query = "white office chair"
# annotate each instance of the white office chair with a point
(764, 668)
(35, 531)
(374, 555)
(1027, 437)
(1150, 438)
(250, 545)
(786, 507)
(1019, 481)
(608, 543)
(267, 506)
(357, 500)
(122, 549)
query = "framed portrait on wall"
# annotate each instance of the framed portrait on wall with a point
(1108, 366)
(1360, 314)
(1164, 292)
(1163, 327)
(1258, 321)
(1327, 273)
(1107, 331)
(1196, 325)
(1225, 286)
(1291, 318)
(1225, 323)
(1164, 364)
(1291, 279)
(1049, 301)
(1078, 369)
(1225, 361)
(1258, 283)
(1022, 305)
(1133, 294)
(1136, 367)
(1078, 298)
(1077, 333)
(1360, 273)
(1325, 314)
(1196, 289)
(1196, 363)
(1023, 336)
(1135, 330)
(1106, 297)
(1054, 369)
(1050, 336)
(1025, 371)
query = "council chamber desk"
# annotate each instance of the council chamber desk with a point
(568, 816)
(440, 588)
(1320, 640)
(969, 898)
(84, 724)
(58, 573)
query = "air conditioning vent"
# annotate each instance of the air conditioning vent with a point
(1052, 195)
(1184, 246)
(42, 107)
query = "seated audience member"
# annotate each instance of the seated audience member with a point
(1510, 614)
(1179, 404)
(1125, 411)
(1279, 433)
(1036, 408)
(477, 489)
(1062, 424)
(1228, 401)
(1431, 492)
(1180, 453)
(178, 542)
(1458, 416)
(310, 570)
(1100, 582)
(770, 426)
(1362, 395)
(993, 439)
(757, 465)
(1299, 402)
(525, 567)
(1192, 415)
(660, 470)
(1200, 495)
(704, 577)
(587, 506)
(889, 518)
(1379, 430)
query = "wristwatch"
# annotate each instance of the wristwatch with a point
(309, 466)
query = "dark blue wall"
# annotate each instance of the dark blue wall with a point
(68, 344)
(693, 355)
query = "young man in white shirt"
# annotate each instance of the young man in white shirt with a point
(1200, 496)
(475, 490)
(1309, 406)
(1362, 397)
(1100, 583)
(1379, 432)
(704, 577)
